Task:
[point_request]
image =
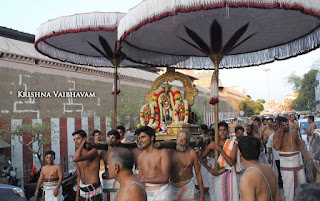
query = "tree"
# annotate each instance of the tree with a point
(251, 107)
(33, 133)
(129, 105)
(296, 81)
(306, 98)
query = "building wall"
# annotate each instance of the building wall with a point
(317, 91)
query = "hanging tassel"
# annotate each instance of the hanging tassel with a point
(118, 91)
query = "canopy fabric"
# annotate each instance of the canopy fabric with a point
(281, 28)
(66, 38)
(3, 144)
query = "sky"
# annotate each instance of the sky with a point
(28, 15)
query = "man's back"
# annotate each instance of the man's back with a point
(258, 183)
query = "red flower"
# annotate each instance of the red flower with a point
(214, 101)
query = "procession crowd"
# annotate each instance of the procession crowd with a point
(263, 156)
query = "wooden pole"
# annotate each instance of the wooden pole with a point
(216, 58)
(114, 126)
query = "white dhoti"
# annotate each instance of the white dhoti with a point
(292, 172)
(183, 190)
(110, 187)
(48, 188)
(205, 176)
(158, 192)
(90, 191)
(211, 177)
(225, 187)
(262, 157)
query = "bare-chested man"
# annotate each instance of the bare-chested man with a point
(136, 151)
(97, 136)
(207, 133)
(269, 131)
(239, 133)
(294, 125)
(108, 183)
(258, 133)
(232, 127)
(183, 159)
(225, 185)
(88, 165)
(259, 182)
(120, 164)
(288, 143)
(312, 126)
(122, 131)
(51, 176)
(154, 166)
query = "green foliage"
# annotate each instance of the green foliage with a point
(306, 98)
(251, 107)
(34, 133)
(1, 134)
(199, 113)
(129, 105)
(296, 81)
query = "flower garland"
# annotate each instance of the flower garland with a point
(142, 120)
(186, 112)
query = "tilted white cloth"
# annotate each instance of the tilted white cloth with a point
(110, 184)
(183, 190)
(158, 192)
(292, 172)
(48, 188)
(275, 155)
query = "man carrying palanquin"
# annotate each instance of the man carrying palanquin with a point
(88, 165)
(183, 159)
(154, 166)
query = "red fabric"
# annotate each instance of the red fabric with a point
(63, 140)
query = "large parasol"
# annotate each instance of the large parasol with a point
(227, 33)
(86, 39)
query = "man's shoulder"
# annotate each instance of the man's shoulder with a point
(45, 167)
(163, 151)
(57, 166)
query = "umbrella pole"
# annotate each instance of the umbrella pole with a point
(115, 97)
(216, 60)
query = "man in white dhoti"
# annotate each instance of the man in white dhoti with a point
(51, 176)
(292, 170)
(88, 164)
(183, 159)
(109, 185)
(154, 166)
(224, 184)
